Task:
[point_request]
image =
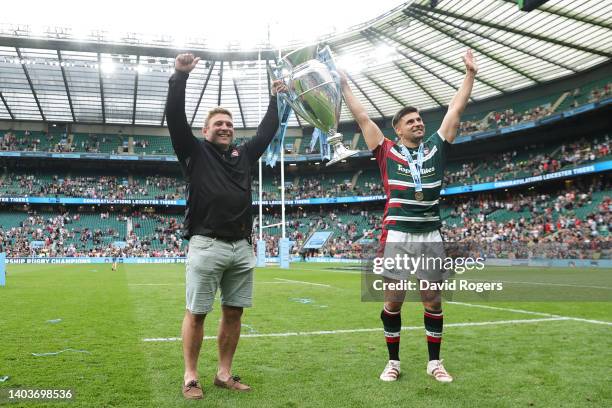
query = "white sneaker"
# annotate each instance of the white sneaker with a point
(437, 371)
(391, 371)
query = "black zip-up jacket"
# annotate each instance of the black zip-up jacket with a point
(219, 201)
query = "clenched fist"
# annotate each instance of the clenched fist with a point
(185, 62)
(278, 86)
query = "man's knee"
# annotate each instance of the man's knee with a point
(432, 299)
(194, 319)
(231, 314)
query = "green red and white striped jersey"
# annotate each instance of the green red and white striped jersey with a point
(403, 212)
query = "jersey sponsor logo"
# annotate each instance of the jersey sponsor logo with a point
(403, 169)
(428, 170)
(406, 171)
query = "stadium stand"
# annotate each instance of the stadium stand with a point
(525, 161)
(526, 216)
(569, 216)
(152, 145)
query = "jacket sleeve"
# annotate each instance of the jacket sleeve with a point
(183, 140)
(266, 130)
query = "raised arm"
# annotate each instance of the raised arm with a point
(371, 132)
(268, 126)
(451, 121)
(182, 137)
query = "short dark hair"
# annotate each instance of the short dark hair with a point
(216, 111)
(400, 114)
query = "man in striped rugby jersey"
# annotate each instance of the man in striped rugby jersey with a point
(412, 171)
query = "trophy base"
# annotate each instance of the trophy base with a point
(340, 151)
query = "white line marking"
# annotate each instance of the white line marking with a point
(155, 284)
(272, 283)
(354, 272)
(578, 319)
(379, 329)
(302, 282)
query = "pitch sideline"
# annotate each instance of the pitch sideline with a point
(325, 332)
(529, 312)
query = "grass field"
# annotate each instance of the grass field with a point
(320, 357)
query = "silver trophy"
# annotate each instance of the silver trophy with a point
(314, 94)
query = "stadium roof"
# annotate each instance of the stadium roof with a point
(409, 55)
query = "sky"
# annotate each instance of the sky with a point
(245, 22)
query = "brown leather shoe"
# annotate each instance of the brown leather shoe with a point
(233, 383)
(193, 390)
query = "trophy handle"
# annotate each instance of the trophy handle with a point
(272, 72)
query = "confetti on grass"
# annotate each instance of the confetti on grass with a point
(249, 327)
(306, 301)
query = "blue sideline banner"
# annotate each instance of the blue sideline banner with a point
(580, 109)
(2, 269)
(90, 201)
(550, 263)
(99, 260)
(581, 170)
(325, 200)
(593, 168)
(517, 127)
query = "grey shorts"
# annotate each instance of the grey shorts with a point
(212, 264)
(425, 248)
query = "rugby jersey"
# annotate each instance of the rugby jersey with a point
(403, 212)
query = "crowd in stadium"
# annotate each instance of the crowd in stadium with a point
(108, 187)
(63, 235)
(530, 161)
(577, 220)
(595, 95)
(320, 186)
(93, 142)
(508, 117)
(522, 221)
(530, 218)
(349, 227)
(516, 164)
(537, 223)
(56, 143)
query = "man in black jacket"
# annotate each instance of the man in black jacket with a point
(218, 223)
